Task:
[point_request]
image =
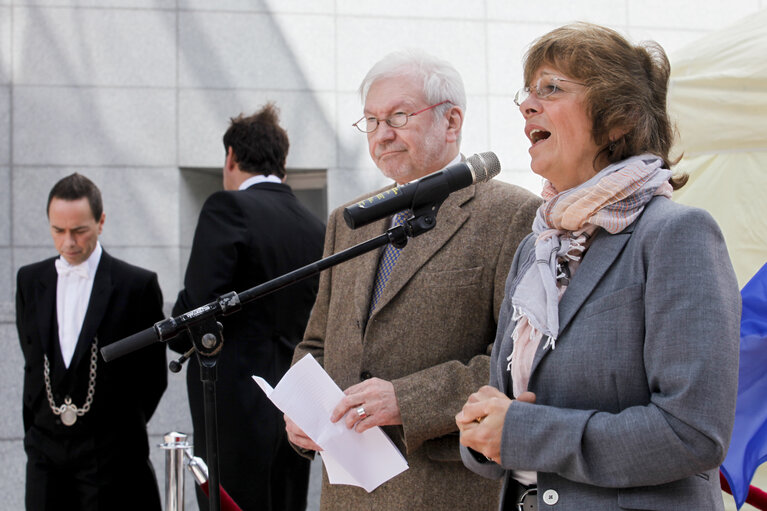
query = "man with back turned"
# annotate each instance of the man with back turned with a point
(250, 233)
(407, 333)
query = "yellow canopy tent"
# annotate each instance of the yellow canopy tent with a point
(718, 99)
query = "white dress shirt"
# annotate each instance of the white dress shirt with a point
(73, 292)
(260, 178)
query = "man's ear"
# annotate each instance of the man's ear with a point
(454, 123)
(100, 223)
(231, 159)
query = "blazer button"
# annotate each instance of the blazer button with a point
(365, 375)
(550, 497)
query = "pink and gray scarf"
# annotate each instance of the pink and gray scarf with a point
(612, 200)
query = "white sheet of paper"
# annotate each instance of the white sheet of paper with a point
(308, 396)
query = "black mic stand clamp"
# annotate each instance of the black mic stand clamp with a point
(422, 220)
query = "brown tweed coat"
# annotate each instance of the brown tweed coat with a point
(431, 335)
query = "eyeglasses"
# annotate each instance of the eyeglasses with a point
(397, 120)
(545, 87)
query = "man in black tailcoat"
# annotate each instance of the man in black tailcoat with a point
(84, 419)
(253, 231)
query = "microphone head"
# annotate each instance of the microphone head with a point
(484, 166)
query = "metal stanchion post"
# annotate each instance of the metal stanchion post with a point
(175, 444)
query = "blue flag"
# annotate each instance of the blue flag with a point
(748, 447)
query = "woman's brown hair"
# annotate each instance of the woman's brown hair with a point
(626, 87)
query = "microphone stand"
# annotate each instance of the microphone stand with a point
(208, 341)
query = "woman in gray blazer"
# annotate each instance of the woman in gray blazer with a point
(614, 369)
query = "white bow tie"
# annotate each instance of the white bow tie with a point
(64, 268)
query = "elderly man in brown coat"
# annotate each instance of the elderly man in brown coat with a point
(408, 350)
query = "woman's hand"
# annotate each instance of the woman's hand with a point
(481, 420)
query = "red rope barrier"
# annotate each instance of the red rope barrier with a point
(755, 497)
(227, 504)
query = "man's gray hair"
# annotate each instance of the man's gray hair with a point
(440, 79)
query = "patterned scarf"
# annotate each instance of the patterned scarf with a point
(612, 200)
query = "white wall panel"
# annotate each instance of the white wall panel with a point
(5, 207)
(274, 6)
(559, 12)
(462, 43)
(507, 44)
(5, 44)
(256, 51)
(353, 146)
(7, 276)
(109, 47)
(407, 9)
(99, 126)
(346, 185)
(204, 117)
(133, 4)
(699, 15)
(5, 125)
(507, 137)
(475, 138)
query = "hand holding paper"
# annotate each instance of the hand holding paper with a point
(308, 396)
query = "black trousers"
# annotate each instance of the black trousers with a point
(71, 474)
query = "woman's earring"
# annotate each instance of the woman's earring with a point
(611, 147)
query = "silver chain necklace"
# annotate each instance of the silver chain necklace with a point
(69, 412)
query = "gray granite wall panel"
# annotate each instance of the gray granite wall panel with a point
(5, 125)
(256, 51)
(5, 44)
(204, 117)
(93, 126)
(5, 207)
(104, 47)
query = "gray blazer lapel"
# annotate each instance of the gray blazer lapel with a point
(97, 306)
(450, 217)
(602, 253)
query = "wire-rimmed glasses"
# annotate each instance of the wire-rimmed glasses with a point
(396, 120)
(546, 86)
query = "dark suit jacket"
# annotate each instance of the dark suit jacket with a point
(124, 300)
(430, 335)
(245, 238)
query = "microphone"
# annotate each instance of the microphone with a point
(427, 191)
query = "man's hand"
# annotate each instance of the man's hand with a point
(481, 420)
(375, 397)
(297, 436)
